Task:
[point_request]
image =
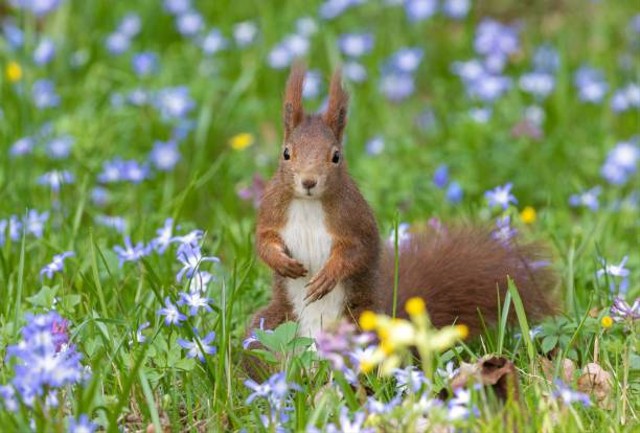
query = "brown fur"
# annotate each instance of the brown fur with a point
(461, 273)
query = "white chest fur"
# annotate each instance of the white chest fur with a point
(306, 236)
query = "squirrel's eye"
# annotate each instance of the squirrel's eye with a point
(336, 157)
(286, 155)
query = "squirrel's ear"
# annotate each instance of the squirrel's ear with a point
(293, 113)
(336, 115)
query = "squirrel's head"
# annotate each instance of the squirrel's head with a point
(311, 161)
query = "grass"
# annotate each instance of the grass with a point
(135, 385)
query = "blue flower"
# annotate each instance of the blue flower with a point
(626, 98)
(117, 43)
(495, 41)
(118, 170)
(37, 7)
(13, 34)
(130, 25)
(245, 33)
(406, 60)
(591, 84)
(34, 222)
(331, 9)
(117, 223)
(356, 44)
(454, 192)
(82, 425)
(57, 265)
(253, 337)
(23, 146)
(312, 84)
(539, 84)
(213, 42)
(441, 176)
(588, 199)
(14, 227)
(174, 102)
(164, 236)
(480, 115)
(145, 63)
(192, 238)
(621, 311)
(173, 316)
(411, 379)
(165, 155)
(198, 347)
(546, 59)
(177, 7)
(55, 179)
(568, 396)
(194, 301)
(190, 256)
(189, 23)
(354, 71)
(279, 57)
(100, 196)
(59, 148)
(456, 9)
(503, 232)
(420, 10)
(501, 196)
(275, 390)
(306, 26)
(397, 86)
(375, 145)
(621, 163)
(140, 338)
(346, 425)
(131, 253)
(44, 94)
(44, 52)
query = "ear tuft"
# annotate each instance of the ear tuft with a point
(336, 115)
(293, 112)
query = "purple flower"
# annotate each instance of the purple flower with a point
(279, 57)
(34, 222)
(411, 379)
(621, 311)
(346, 425)
(546, 59)
(396, 86)
(489, 88)
(145, 63)
(245, 33)
(306, 26)
(140, 338)
(501, 196)
(82, 425)
(44, 94)
(117, 223)
(198, 347)
(419, 10)
(459, 406)
(55, 179)
(190, 256)
(174, 102)
(275, 390)
(131, 253)
(23, 146)
(496, 42)
(441, 176)
(118, 170)
(480, 115)
(100, 196)
(336, 345)
(568, 396)
(44, 52)
(454, 192)
(59, 148)
(189, 23)
(192, 238)
(253, 337)
(456, 9)
(591, 84)
(130, 25)
(172, 316)
(57, 265)
(199, 282)
(615, 270)
(194, 301)
(213, 42)
(14, 227)
(539, 84)
(177, 7)
(588, 199)
(621, 163)
(297, 45)
(406, 60)
(356, 44)
(165, 155)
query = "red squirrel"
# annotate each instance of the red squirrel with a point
(319, 235)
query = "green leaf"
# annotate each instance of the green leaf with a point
(548, 343)
(44, 298)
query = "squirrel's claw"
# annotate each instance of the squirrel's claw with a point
(291, 268)
(318, 288)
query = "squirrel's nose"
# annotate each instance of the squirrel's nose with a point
(309, 183)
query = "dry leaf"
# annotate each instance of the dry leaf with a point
(596, 382)
(567, 368)
(495, 371)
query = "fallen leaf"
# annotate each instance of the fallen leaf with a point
(596, 382)
(495, 371)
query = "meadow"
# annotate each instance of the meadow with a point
(135, 141)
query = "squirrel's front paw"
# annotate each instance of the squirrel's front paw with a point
(290, 268)
(319, 287)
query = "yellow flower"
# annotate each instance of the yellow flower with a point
(14, 72)
(415, 306)
(368, 320)
(463, 331)
(366, 366)
(606, 322)
(241, 141)
(528, 215)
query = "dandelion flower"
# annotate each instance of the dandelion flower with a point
(14, 72)
(241, 141)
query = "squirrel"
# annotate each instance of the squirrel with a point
(319, 235)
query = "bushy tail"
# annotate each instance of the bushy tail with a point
(462, 276)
